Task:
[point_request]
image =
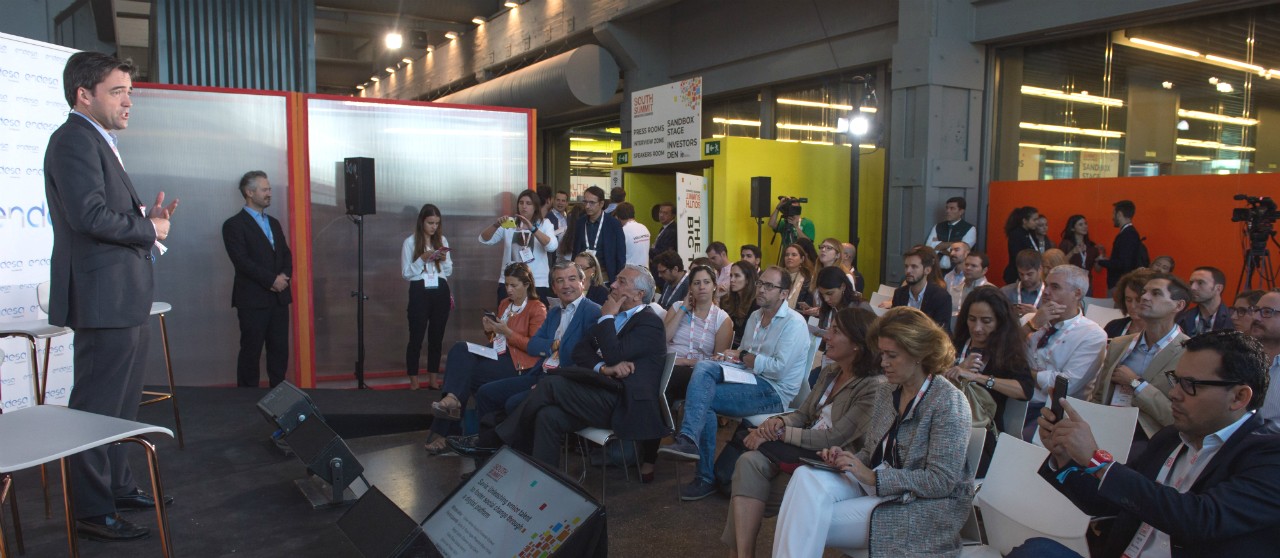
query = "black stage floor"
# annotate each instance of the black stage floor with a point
(235, 494)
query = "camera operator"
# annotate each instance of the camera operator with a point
(792, 226)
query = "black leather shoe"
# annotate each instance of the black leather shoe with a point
(468, 446)
(113, 528)
(139, 500)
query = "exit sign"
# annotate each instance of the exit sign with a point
(711, 148)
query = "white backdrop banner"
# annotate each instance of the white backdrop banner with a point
(666, 123)
(693, 226)
(32, 106)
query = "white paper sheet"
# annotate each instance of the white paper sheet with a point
(481, 350)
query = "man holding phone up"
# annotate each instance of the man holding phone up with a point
(1064, 342)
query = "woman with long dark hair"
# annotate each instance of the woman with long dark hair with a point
(797, 263)
(425, 263)
(1020, 229)
(741, 300)
(526, 238)
(1081, 251)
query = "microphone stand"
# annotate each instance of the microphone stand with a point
(360, 298)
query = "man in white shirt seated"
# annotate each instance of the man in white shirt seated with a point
(1209, 485)
(774, 354)
(1065, 343)
(955, 262)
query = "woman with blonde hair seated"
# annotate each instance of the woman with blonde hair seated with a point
(908, 491)
(834, 414)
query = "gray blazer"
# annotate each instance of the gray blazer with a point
(100, 273)
(930, 496)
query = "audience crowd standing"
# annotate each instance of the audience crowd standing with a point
(852, 421)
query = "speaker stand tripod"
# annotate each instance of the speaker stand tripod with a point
(360, 298)
(1257, 260)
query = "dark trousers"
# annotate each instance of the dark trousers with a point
(503, 396)
(556, 408)
(263, 326)
(466, 373)
(110, 365)
(428, 313)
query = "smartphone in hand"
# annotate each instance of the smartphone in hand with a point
(819, 465)
(1060, 386)
(492, 317)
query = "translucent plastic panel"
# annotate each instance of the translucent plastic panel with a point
(195, 146)
(469, 162)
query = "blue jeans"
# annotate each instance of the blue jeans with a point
(1042, 548)
(505, 394)
(708, 396)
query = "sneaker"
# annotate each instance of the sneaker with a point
(468, 446)
(683, 448)
(696, 490)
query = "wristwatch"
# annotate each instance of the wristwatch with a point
(1135, 383)
(742, 356)
(1098, 465)
(991, 382)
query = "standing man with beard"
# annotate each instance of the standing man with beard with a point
(1209, 313)
(1127, 251)
(256, 244)
(919, 292)
(101, 282)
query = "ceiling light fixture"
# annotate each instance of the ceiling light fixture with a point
(511, 4)
(1183, 125)
(1200, 115)
(477, 20)
(1068, 148)
(1166, 84)
(859, 126)
(391, 70)
(451, 35)
(814, 104)
(736, 122)
(1213, 145)
(1236, 63)
(806, 127)
(1224, 87)
(360, 87)
(1082, 97)
(1162, 46)
(1070, 130)
(407, 60)
(374, 79)
(394, 40)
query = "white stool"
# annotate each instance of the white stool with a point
(160, 309)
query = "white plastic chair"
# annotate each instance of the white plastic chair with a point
(1018, 505)
(1015, 417)
(1101, 315)
(876, 299)
(1103, 302)
(1112, 427)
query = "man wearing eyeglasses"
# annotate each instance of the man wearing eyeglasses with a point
(1266, 329)
(1209, 485)
(775, 355)
(1132, 373)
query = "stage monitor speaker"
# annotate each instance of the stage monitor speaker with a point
(359, 185)
(761, 196)
(378, 528)
(327, 457)
(286, 406)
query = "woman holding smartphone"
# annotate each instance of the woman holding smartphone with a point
(519, 316)
(426, 265)
(526, 238)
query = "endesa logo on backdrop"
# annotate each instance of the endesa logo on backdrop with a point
(33, 217)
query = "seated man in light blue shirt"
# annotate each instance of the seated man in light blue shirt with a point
(775, 350)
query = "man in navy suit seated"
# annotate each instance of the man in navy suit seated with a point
(615, 384)
(1208, 485)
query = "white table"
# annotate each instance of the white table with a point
(40, 434)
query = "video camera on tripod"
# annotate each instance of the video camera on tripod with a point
(789, 206)
(1259, 223)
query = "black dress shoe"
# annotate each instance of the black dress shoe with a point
(139, 500)
(110, 528)
(469, 446)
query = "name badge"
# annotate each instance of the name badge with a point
(500, 344)
(525, 255)
(432, 279)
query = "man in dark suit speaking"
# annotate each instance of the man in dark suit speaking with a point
(100, 282)
(257, 247)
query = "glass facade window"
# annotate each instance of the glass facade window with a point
(842, 109)
(734, 116)
(1196, 96)
(591, 148)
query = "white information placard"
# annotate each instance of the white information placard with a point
(692, 225)
(32, 106)
(666, 123)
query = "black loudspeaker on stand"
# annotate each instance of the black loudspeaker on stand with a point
(358, 186)
(761, 203)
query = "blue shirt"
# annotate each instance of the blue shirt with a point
(263, 223)
(619, 320)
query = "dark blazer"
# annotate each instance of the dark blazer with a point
(1124, 256)
(256, 262)
(101, 272)
(1221, 319)
(611, 248)
(587, 314)
(1018, 241)
(674, 293)
(663, 241)
(936, 303)
(643, 342)
(1233, 509)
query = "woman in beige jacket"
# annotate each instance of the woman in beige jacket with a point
(836, 413)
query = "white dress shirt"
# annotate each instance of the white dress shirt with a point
(414, 269)
(510, 250)
(1075, 351)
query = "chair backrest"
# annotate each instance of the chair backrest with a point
(876, 299)
(1015, 417)
(1103, 302)
(886, 290)
(42, 296)
(1112, 427)
(1101, 315)
(977, 442)
(1017, 504)
(662, 389)
(814, 343)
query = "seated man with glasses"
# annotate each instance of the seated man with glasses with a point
(1266, 329)
(774, 354)
(1209, 485)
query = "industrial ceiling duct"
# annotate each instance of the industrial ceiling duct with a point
(586, 76)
